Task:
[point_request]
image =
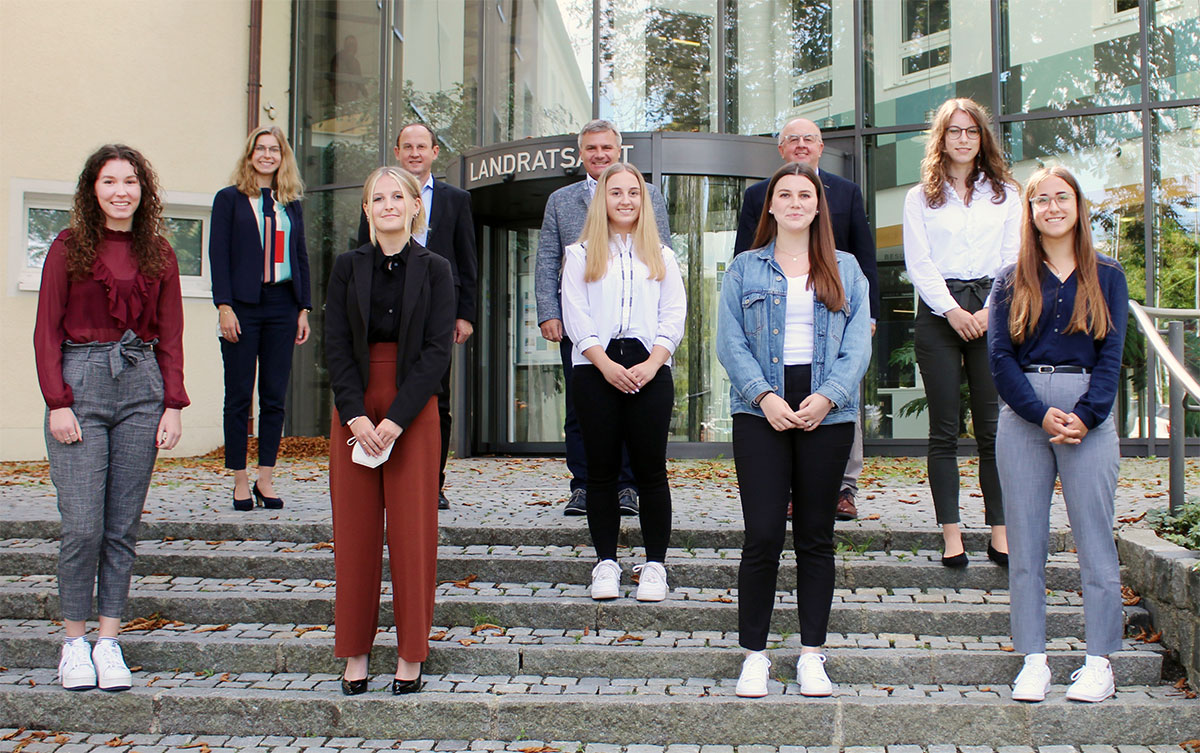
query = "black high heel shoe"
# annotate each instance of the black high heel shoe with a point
(995, 555)
(242, 505)
(354, 687)
(271, 503)
(402, 687)
(957, 562)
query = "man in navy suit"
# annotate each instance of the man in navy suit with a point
(566, 210)
(800, 141)
(450, 232)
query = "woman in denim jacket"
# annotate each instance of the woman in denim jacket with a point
(793, 333)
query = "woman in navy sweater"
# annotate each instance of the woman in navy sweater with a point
(260, 288)
(1055, 353)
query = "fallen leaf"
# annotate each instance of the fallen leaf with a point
(202, 747)
(463, 583)
(467, 641)
(213, 628)
(630, 637)
(910, 501)
(486, 626)
(1184, 689)
(1129, 597)
(62, 738)
(136, 668)
(539, 749)
(152, 681)
(1191, 745)
(438, 636)
(301, 631)
(153, 622)
(322, 545)
(1132, 518)
(722, 599)
(1007, 648)
(223, 678)
(11, 735)
(872, 516)
(540, 503)
(585, 629)
(1148, 637)
(116, 742)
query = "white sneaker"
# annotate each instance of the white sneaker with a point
(1093, 682)
(75, 669)
(810, 673)
(606, 580)
(111, 672)
(752, 683)
(1033, 681)
(652, 581)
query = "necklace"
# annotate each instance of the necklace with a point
(794, 257)
(1054, 269)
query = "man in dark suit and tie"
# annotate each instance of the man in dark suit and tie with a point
(800, 141)
(450, 232)
(566, 210)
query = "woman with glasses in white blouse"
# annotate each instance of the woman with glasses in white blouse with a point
(623, 308)
(961, 226)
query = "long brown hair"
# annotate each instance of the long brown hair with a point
(989, 163)
(88, 219)
(647, 246)
(286, 182)
(1091, 312)
(823, 277)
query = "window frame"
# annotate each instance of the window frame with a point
(27, 194)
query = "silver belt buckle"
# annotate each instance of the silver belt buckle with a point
(1043, 369)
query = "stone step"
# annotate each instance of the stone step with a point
(620, 710)
(855, 658)
(874, 610)
(870, 535)
(693, 567)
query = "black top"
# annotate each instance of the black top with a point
(1049, 345)
(387, 295)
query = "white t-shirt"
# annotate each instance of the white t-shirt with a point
(798, 323)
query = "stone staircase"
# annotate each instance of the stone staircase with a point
(233, 638)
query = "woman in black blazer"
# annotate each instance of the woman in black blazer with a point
(389, 327)
(260, 287)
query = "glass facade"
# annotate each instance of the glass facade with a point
(1110, 88)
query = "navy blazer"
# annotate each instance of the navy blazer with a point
(235, 250)
(851, 233)
(423, 346)
(452, 236)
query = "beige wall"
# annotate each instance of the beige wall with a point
(168, 78)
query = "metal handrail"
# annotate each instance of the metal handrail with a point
(1180, 381)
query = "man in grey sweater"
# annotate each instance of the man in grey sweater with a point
(566, 210)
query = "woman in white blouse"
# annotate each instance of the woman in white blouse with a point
(961, 227)
(623, 308)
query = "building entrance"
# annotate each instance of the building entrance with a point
(512, 387)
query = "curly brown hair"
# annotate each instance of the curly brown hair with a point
(88, 220)
(989, 163)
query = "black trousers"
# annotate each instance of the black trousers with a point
(266, 343)
(576, 455)
(610, 420)
(774, 467)
(942, 357)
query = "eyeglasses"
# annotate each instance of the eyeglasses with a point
(793, 139)
(263, 149)
(954, 132)
(1061, 199)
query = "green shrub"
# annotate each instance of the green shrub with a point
(1182, 529)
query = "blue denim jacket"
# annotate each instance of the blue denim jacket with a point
(750, 327)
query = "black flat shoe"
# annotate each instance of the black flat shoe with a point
(1000, 558)
(243, 505)
(403, 687)
(271, 503)
(957, 562)
(354, 687)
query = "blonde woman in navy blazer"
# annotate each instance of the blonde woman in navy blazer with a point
(260, 287)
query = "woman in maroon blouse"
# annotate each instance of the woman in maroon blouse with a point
(109, 348)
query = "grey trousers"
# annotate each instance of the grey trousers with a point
(102, 481)
(1028, 464)
(854, 465)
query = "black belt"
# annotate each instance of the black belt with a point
(1047, 369)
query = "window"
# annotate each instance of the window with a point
(812, 56)
(45, 211)
(926, 29)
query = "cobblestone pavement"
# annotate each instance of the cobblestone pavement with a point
(528, 492)
(41, 741)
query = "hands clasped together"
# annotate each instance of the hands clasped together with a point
(807, 417)
(1064, 428)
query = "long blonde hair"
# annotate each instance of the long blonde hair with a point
(286, 182)
(989, 162)
(1090, 313)
(412, 191)
(647, 245)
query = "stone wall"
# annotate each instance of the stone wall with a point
(1167, 578)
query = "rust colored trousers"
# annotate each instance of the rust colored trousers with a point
(403, 490)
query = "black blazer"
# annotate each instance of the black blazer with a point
(851, 233)
(235, 250)
(426, 331)
(451, 235)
